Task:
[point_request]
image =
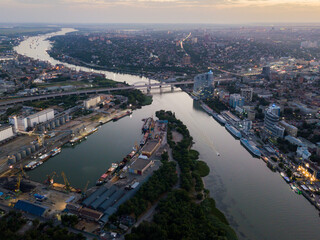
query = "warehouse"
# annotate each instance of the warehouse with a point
(21, 123)
(139, 166)
(150, 147)
(5, 132)
(30, 208)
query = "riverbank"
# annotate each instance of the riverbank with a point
(239, 183)
(188, 205)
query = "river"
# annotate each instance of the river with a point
(257, 202)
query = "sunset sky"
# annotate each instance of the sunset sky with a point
(160, 11)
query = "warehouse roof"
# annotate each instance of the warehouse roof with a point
(30, 208)
(140, 164)
(150, 146)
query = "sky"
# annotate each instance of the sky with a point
(160, 11)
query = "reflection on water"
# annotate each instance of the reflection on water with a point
(256, 201)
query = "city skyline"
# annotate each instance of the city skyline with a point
(160, 11)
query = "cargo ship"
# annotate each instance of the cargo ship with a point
(76, 139)
(219, 118)
(121, 115)
(251, 147)
(55, 152)
(236, 133)
(104, 177)
(146, 125)
(44, 157)
(31, 165)
(144, 139)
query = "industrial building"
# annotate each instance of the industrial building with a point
(6, 132)
(140, 165)
(21, 123)
(31, 208)
(92, 102)
(150, 147)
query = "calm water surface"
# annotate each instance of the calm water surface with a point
(257, 202)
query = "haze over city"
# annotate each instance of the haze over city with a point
(159, 119)
(160, 11)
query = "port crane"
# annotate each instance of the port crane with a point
(23, 172)
(50, 178)
(66, 182)
(85, 189)
(17, 190)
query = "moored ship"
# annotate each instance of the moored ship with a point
(251, 147)
(219, 118)
(104, 177)
(55, 151)
(236, 133)
(206, 108)
(122, 115)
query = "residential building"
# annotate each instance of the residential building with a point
(236, 100)
(202, 81)
(291, 130)
(92, 102)
(247, 93)
(271, 122)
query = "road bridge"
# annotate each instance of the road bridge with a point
(147, 86)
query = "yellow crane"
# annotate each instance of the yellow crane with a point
(23, 172)
(17, 190)
(66, 182)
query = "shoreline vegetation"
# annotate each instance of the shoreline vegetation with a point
(184, 209)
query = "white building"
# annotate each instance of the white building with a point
(202, 82)
(21, 123)
(92, 102)
(303, 152)
(5, 132)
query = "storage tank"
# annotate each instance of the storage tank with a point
(23, 153)
(11, 160)
(28, 151)
(18, 157)
(33, 148)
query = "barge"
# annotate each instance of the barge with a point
(104, 177)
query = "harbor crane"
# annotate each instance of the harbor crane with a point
(66, 182)
(17, 190)
(50, 178)
(85, 189)
(23, 172)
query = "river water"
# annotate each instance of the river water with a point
(257, 202)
